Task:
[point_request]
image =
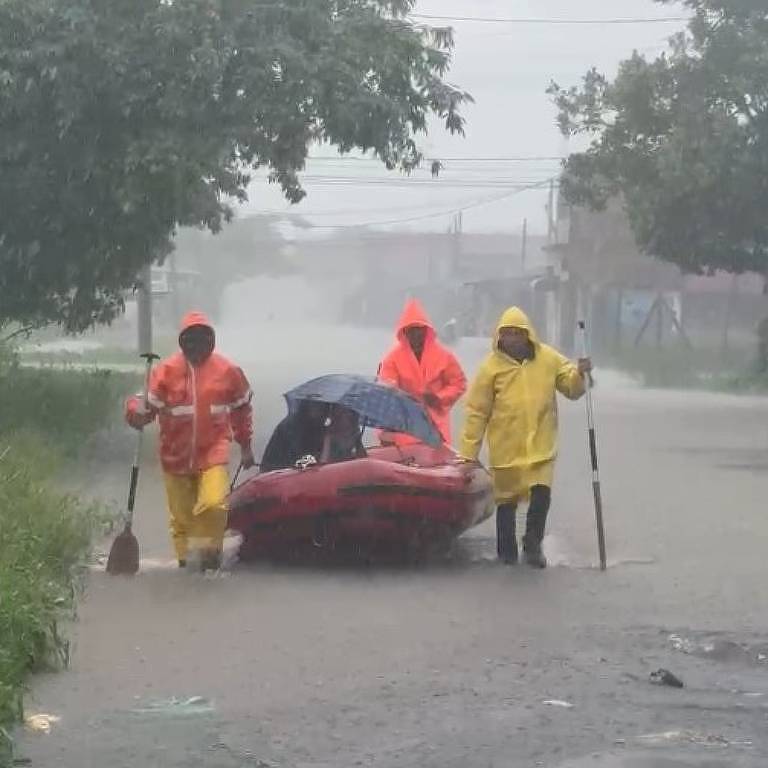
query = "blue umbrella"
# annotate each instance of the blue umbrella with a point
(378, 405)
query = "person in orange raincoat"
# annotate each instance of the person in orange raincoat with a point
(420, 365)
(201, 400)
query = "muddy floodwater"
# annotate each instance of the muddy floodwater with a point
(456, 663)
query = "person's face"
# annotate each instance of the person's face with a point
(514, 342)
(197, 344)
(417, 336)
(314, 412)
(345, 420)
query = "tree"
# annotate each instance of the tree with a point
(121, 120)
(682, 140)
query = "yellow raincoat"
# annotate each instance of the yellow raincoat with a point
(515, 403)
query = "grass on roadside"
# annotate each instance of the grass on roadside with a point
(102, 357)
(46, 535)
(681, 368)
(66, 406)
(88, 352)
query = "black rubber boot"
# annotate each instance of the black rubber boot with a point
(538, 509)
(506, 536)
(211, 560)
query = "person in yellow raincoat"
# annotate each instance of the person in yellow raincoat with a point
(513, 401)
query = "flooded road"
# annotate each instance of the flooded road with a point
(462, 662)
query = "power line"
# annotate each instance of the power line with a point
(431, 17)
(346, 212)
(412, 219)
(358, 211)
(477, 159)
(413, 184)
(545, 21)
(523, 20)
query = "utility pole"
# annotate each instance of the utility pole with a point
(456, 229)
(457, 242)
(552, 229)
(524, 249)
(554, 295)
(144, 308)
(173, 278)
(731, 303)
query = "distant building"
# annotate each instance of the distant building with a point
(611, 282)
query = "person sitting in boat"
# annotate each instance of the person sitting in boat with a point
(328, 433)
(421, 366)
(299, 434)
(342, 440)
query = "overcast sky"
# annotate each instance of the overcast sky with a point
(507, 68)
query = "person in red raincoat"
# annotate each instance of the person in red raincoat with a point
(202, 401)
(421, 366)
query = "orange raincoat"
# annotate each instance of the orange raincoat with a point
(438, 372)
(199, 407)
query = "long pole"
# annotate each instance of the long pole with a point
(149, 360)
(144, 309)
(596, 489)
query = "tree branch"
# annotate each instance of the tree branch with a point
(24, 331)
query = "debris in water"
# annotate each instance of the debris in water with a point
(243, 756)
(558, 703)
(692, 737)
(195, 705)
(41, 723)
(99, 559)
(685, 645)
(719, 649)
(665, 677)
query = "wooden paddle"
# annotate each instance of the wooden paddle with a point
(124, 555)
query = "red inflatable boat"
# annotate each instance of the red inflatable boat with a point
(405, 501)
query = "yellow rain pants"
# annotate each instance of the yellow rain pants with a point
(197, 509)
(513, 484)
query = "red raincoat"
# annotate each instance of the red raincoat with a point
(438, 372)
(200, 408)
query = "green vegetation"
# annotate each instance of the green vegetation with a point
(681, 140)
(65, 406)
(120, 121)
(104, 358)
(680, 368)
(46, 535)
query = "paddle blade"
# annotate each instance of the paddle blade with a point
(124, 555)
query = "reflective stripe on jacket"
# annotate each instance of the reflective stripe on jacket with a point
(200, 409)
